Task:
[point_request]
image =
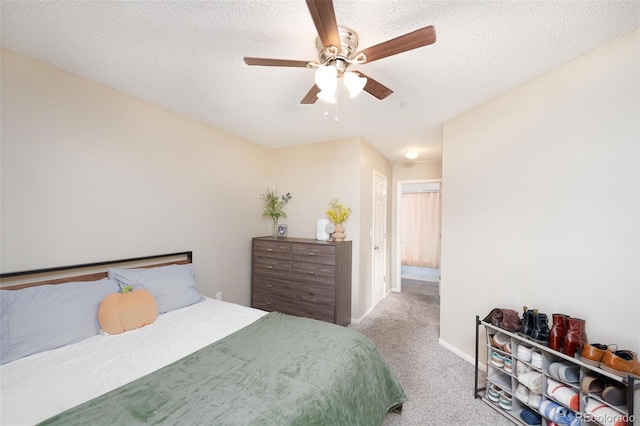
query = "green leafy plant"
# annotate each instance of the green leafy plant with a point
(337, 212)
(273, 206)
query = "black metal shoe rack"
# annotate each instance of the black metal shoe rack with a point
(480, 391)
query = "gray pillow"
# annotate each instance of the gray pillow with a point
(37, 319)
(173, 286)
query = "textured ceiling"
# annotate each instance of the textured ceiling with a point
(188, 57)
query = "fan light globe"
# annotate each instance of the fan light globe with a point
(328, 96)
(354, 83)
(411, 155)
(326, 78)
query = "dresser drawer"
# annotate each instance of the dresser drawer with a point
(271, 267)
(288, 297)
(272, 249)
(313, 272)
(314, 253)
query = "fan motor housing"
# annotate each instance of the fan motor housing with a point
(348, 47)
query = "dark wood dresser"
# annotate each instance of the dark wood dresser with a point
(303, 277)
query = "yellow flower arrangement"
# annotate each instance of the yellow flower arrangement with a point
(337, 212)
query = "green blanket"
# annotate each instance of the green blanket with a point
(280, 370)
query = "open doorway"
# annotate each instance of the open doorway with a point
(419, 233)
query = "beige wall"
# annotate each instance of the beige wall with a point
(89, 174)
(406, 172)
(541, 201)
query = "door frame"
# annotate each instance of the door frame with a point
(396, 285)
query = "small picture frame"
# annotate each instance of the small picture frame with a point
(282, 230)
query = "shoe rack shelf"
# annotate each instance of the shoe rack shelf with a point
(586, 409)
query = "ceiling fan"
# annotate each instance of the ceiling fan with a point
(337, 50)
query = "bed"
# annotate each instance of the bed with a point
(201, 361)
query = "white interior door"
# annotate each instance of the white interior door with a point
(379, 236)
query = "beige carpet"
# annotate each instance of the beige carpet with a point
(439, 385)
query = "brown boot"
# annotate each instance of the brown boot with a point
(558, 331)
(576, 336)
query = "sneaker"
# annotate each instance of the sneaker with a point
(534, 400)
(497, 359)
(494, 393)
(507, 365)
(564, 394)
(536, 360)
(522, 393)
(505, 401)
(532, 380)
(499, 340)
(521, 368)
(530, 417)
(524, 353)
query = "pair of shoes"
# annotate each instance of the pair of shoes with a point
(530, 417)
(564, 394)
(565, 371)
(614, 395)
(621, 363)
(536, 360)
(505, 401)
(534, 400)
(592, 384)
(522, 393)
(508, 367)
(493, 393)
(532, 380)
(501, 341)
(540, 331)
(603, 414)
(524, 352)
(592, 353)
(497, 359)
(522, 368)
(556, 412)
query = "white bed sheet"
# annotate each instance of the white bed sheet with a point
(36, 387)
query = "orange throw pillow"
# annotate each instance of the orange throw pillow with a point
(120, 312)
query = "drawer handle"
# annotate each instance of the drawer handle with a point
(269, 267)
(269, 286)
(312, 273)
(268, 303)
(311, 294)
(312, 254)
(269, 249)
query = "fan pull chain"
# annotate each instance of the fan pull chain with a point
(326, 109)
(336, 119)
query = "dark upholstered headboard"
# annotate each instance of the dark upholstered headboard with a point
(86, 272)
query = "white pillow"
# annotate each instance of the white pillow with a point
(173, 286)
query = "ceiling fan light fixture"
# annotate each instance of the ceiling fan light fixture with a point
(327, 95)
(326, 78)
(411, 155)
(354, 83)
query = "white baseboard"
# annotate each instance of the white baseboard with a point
(482, 366)
(359, 320)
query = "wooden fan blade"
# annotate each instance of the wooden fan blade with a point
(418, 38)
(275, 62)
(324, 19)
(376, 89)
(311, 97)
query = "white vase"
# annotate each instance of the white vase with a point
(321, 230)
